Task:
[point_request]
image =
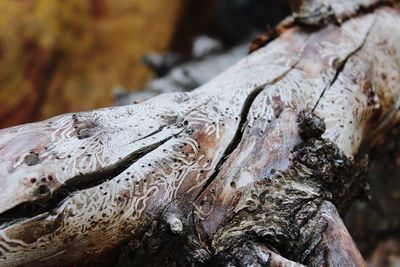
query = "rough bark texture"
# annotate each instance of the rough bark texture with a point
(249, 169)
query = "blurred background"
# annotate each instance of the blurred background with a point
(60, 56)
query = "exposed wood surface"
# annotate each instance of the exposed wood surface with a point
(242, 170)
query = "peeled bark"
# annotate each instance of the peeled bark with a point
(248, 169)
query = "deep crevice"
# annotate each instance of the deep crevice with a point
(340, 69)
(230, 148)
(75, 184)
(236, 138)
(82, 182)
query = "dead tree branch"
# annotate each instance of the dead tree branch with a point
(248, 169)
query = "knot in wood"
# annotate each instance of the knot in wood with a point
(310, 126)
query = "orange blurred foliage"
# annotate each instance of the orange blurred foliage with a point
(61, 56)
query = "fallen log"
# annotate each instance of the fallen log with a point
(250, 168)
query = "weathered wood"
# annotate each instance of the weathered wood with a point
(242, 170)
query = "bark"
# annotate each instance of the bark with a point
(250, 168)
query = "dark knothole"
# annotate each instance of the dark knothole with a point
(31, 159)
(310, 126)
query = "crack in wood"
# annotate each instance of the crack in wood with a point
(75, 184)
(240, 130)
(340, 69)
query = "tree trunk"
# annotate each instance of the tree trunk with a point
(249, 169)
